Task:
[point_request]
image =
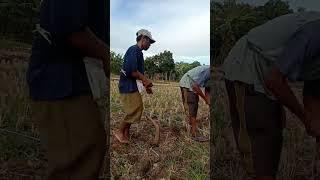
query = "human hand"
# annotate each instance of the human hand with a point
(147, 83)
(149, 90)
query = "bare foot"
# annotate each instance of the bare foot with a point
(121, 138)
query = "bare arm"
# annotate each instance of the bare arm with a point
(280, 88)
(146, 82)
(88, 43)
(138, 75)
(196, 88)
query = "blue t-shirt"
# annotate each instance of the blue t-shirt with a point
(133, 61)
(57, 70)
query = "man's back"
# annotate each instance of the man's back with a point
(197, 74)
(69, 119)
(275, 33)
(258, 51)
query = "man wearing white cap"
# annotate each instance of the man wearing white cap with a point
(133, 70)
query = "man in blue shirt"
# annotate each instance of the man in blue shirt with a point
(68, 118)
(133, 71)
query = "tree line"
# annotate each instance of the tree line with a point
(160, 66)
(231, 19)
(18, 19)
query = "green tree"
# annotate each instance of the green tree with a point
(275, 8)
(166, 64)
(150, 67)
(195, 64)
(161, 63)
(116, 63)
(18, 19)
(229, 21)
(182, 68)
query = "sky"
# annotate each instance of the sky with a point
(182, 27)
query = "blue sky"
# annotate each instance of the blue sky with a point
(182, 27)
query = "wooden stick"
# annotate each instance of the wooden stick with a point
(157, 133)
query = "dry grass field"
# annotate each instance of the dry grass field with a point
(20, 154)
(177, 156)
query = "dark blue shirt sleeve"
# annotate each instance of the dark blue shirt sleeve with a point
(304, 46)
(131, 63)
(68, 16)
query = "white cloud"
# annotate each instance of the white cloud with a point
(183, 27)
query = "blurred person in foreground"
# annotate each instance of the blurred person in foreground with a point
(257, 71)
(63, 104)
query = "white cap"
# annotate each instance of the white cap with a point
(147, 33)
